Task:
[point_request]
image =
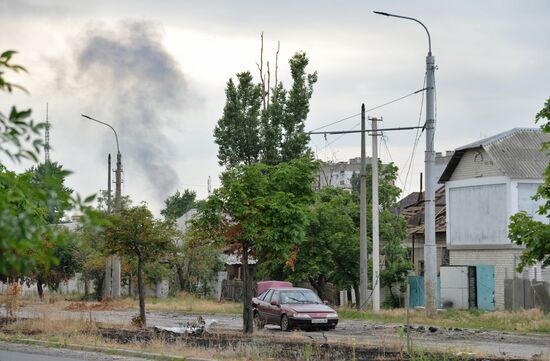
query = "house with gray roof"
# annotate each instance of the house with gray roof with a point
(486, 182)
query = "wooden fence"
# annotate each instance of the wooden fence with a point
(524, 294)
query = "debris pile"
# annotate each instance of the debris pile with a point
(191, 328)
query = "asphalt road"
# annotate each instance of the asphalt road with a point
(22, 352)
(22, 356)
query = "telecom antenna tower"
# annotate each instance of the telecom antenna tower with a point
(47, 138)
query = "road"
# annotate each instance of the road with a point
(19, 352)
(364, 332)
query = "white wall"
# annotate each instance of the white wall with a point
(478, 211)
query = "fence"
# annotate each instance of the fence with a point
(520, 293)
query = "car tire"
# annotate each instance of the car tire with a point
(285, 324)
(258, 322)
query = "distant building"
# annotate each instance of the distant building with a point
(339, 174)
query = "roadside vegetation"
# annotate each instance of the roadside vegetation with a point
(522, 321)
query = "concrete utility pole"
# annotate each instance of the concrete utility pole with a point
(363, 263)
(112, 264)
(430, 250)
(375, 220)
(118, 207)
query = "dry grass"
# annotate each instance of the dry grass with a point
(74, 333)
(518, 321)
(183, 302)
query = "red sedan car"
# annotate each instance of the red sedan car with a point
(292, 307)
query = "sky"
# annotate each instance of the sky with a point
(157, 72)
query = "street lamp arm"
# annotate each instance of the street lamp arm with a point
(413, 19)
(99, 121)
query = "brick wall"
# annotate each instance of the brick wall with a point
(503, 260)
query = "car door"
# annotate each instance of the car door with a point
(274, 309)
(263, 305)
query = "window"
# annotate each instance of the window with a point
(421, 268)
(267, 295)
(275, 296)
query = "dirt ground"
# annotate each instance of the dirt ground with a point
(364, 332)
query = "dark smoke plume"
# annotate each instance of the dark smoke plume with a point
(139, 85)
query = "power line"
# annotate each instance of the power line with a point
(371, 109)
(417, 138)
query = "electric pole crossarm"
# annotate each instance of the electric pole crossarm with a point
(363, 131)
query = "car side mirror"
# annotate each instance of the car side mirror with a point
(325, 302)
(274, 303)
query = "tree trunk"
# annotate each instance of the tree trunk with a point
(181, 277)
(248, 321)
(319, 284)
(40, 289)
(130, 285)
(141, 292)
(86, 288)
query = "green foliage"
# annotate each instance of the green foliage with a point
(103, 201)
(246, 133)
(327, 253)
(134, 233)
(22, 224)
(523, 230)
(237, 132)
(262, 208)
(259, 211)
(178, 204)
(50, 177)
(30, 201)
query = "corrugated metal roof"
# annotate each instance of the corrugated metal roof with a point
(517, 153)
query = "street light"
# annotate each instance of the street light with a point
(430, 251)
(118, 171)
(112, 267)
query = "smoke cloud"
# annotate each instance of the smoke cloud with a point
(137, 83)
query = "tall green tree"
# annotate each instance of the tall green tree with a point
(178, 204)
(238, 130)
(135, 233)
(50, 177)
(248, 133)
(523, 230)
(260, 211)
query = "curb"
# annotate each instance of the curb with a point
(105, 350)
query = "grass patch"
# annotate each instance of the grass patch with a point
(517, 321)
(185, 302)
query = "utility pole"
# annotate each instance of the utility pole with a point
(108, 290)
(375, 220)
(109, 184)
(118, 207)
(47, 138)
(363, 264)
(430, 250)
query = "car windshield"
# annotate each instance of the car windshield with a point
(299, 296)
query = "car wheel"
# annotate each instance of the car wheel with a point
(285, 326)
(258, 322)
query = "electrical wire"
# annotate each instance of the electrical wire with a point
(371, 109)
(410, 159)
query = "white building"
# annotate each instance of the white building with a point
(485, 183)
